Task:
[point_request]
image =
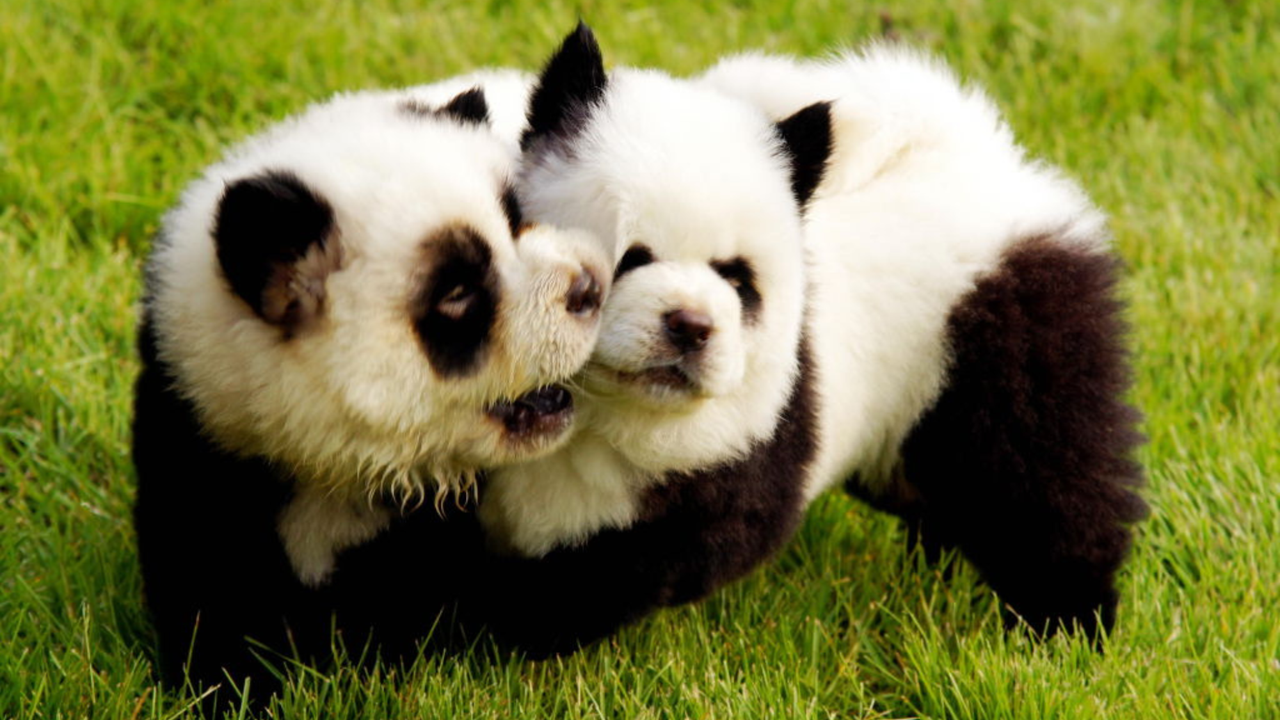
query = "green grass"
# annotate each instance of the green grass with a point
(1168, 112)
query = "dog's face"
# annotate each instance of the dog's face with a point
(355, 294)
(695, 302)
(699, 197)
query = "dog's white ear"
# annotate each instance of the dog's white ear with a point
(806, 135)
(277, 244)
(572, 81)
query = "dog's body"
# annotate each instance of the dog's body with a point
(339, 323)
(968, 340)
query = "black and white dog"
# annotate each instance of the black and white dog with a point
(343, 317)
(969, 341)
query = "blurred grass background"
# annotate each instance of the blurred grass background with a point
(1167, 111)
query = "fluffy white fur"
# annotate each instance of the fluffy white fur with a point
(925, 190)
(696, 177)
(351, 406)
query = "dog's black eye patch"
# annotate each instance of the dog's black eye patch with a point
(636, 256)
(738, 273)
(455, 306)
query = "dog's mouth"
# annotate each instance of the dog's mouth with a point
(670, 377)
(536, 414)
(666, 382)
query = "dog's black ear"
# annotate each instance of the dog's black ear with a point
(571, 82)
(807, 138)
(276, 244)
(468, 107)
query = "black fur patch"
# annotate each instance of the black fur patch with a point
(808, 140)
(1024, 463)
(511, 208)
(212, 564)
(572, 81)
(739, 274)
(264, 226)
(636, 256)
(455, 308)
(698, 531)
(469, 107)
(214, 568)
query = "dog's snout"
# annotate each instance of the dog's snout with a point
(688, 330)
(585, 294)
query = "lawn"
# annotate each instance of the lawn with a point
(1167, 112)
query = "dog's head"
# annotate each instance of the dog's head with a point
(700, 198)
(354, 294)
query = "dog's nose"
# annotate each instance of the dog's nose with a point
(688, 330)
(585, 294)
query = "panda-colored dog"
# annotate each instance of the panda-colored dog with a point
(342, 317)
(968, 338)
